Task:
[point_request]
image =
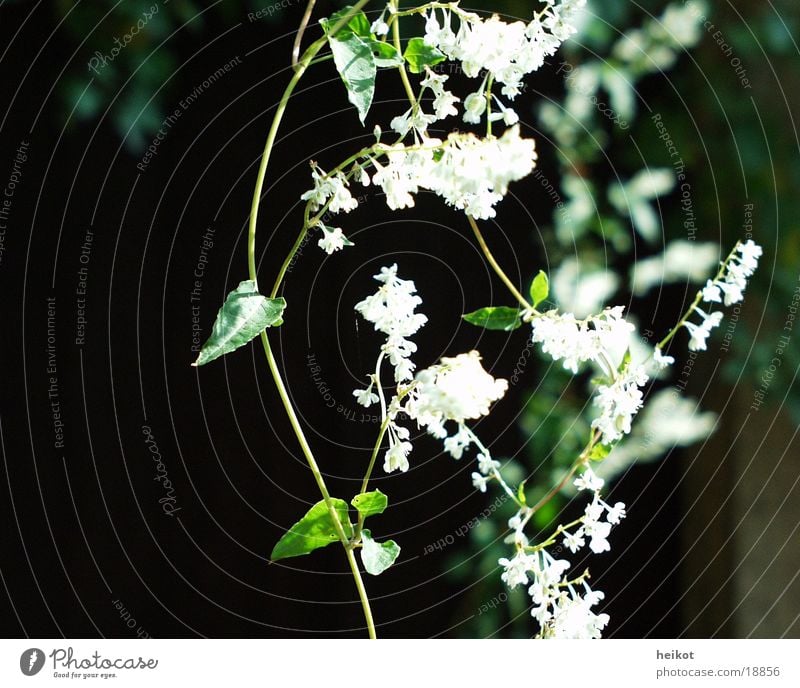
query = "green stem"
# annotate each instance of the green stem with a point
(496, 267)
(301, 438)
(301, 32)
(582, 459)
(301, 67)
(434, 6)
(399, 48)
(311, 222)
(554, 536)
(373, 458)
(362, 593)
(489, 85)
(368, 475)
(286, 263)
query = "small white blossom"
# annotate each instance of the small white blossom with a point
(486, 465)
(479, 481)
(474, 107)
(598, 532)
(661, 360)
(573, 617)
(507, 114)
(365, 397)
(332, 239)
(379, 27)
(413, 119)
(574, 541)
(396, 457)
(616, 513)
(698, 335)
(516, 569)
(456, 444)
(589, 481)
(593, 511)
(750, 252)
(711, 292)
(329, 187)
(444, 102)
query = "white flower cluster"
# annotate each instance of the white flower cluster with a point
(619, 402)
(333, 188)
(457, 389)
(599, 338)
(506, 51)
(332, 239)
(727, 288)
(563, 608)
(392, 310)
(444, 105)
(563, 336)
(469, 173)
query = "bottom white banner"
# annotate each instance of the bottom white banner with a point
(389, 663)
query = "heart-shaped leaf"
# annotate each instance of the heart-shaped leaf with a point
(377, 556)
(370, 503)
(243, 316)
(495, 318)
(316, 529)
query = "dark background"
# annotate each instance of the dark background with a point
(82, 524)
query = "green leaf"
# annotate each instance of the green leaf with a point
(385, 54)
(540, 289)
(495, 318)
(418, 55)
(243, 316)
(600, 451)
(358, 24)
(316, 529)
(352, 55)
(521, 492)
(370, 503)
(377, 556)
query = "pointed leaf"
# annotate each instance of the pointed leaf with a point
(521, 492)
(358, 24)
(419, 55)
(243, 316)
(316, 529)
(370, 503)
(600, 451)
(355, 63)
(540, 289)
(377, 557)
(495, 318)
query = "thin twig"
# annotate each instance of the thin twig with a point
(300, 32)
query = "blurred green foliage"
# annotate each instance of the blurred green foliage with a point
(132, 69)
(737, 146)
